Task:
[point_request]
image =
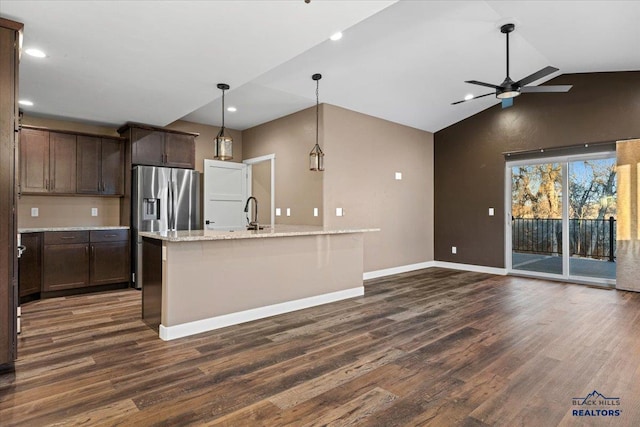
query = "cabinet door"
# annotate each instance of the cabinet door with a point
(180, 150)
(88, 165)
(34, 161)
(65, 266)
(62, 163)
(112, 167)
(147, 147)
(30, 264)
(109, 262)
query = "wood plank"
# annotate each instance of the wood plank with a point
(432, 347)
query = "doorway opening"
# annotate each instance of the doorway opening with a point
(561, 218)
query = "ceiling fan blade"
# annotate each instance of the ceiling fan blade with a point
(537, 75)
(475, 97)
(475, 82)
(543, 89)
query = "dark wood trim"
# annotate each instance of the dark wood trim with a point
(72, 132)
(122, 129)
(12, 25)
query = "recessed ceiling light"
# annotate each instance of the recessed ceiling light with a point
(25, 102)
(232, 109)
(468, 96)
(35, 53)
(337, 36)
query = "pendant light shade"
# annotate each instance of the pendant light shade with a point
(316, 156)
(223, 145)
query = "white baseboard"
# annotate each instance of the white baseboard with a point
(397, 270)
(168, 333)
(471, 267)
(428, 264)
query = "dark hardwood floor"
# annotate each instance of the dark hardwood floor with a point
(433, 347)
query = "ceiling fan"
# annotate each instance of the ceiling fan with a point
(508, 89)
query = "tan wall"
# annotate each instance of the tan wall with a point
(628, 233)
(67, 211)
(69, 125)
(290, 138)
(362, 154)
(204, 142)
(261, 189)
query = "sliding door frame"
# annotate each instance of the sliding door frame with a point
(564, 162)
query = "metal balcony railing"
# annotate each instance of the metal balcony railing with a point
(588, 238)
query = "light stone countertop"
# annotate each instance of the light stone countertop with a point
(88, 228)
(277, 231)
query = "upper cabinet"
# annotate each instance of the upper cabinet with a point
(70, 163)
(100, 166)
(160, 147)
(47, 162)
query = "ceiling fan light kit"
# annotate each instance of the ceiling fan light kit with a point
(509, 89)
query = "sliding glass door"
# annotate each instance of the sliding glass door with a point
(561, 219)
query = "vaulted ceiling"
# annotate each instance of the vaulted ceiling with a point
(406, 61)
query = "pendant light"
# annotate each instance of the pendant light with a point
(223, 145)
(316, 156)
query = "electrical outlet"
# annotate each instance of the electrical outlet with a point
(454, 250)
(492, 212)
(288, 211)
(94, 211)
(278, 211)
(398, 176)
(315, 211)
(339, 212)
(35, 212)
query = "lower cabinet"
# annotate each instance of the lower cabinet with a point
(64, 260)
(109, 260)
(30, 265)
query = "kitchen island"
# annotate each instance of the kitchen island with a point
(200, 280)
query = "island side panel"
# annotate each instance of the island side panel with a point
(206, 279)
(152, 286)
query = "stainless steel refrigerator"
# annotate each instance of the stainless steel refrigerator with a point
(163, 199)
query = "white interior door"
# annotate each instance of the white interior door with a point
(225, 193)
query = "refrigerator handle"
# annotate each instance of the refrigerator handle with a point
(174, 199)
(169, 207)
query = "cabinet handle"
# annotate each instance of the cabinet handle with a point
(67, 237)
(46, 184)
(86, 249)
(110, 235)
(93, 250)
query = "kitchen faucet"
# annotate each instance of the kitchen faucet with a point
(253, 225)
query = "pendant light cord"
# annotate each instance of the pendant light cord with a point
(317, 108)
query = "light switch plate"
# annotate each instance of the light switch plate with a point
(398, 176)
(315, 211)
(278, 211)
(94, 211)
(454, 250)
(339, 212)
(288, 211)
(492, 212)
(34, 212)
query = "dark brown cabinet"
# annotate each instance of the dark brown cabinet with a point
(30, 265)
(160, 147)
(34, 161)
(47, 162)
(100, 166)
(109, 261)
(62, 163)
(66, 260)
(79, 259)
